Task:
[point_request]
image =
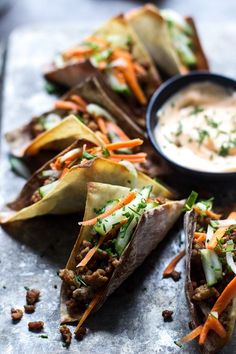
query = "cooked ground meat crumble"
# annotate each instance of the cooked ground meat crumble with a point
(16, 314)
(66, 334)
(36, 325)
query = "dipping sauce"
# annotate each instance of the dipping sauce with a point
(197, 128)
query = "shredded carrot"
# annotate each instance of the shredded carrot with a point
(219, 233)
(103, 137)
(98, 296)
(128, 71)
(212, 215)
(102, 125)
(200, 236)
(81, 51)
(67, 105)
(112, 126)
(171, 266)
(216, 237)
(126, 200)
(79, 100)
(123, 144)
(140, 157)
(190, 336)
(214, 324)
(91, 252)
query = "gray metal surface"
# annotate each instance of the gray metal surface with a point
(33, 251)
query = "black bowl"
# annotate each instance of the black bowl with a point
(165, 91)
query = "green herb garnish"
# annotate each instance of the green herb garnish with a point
(43, 336)
(78, 279)
(179, 130)
(190, 201)
(105, 153)
(202, 134)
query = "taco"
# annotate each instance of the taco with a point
(171, 40)
(120, 228)
(114, 51)
(93, 106)
(210, 276)
(59, 187)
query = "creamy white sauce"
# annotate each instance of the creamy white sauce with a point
(197, 128)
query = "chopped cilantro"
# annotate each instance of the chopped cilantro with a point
(78, 279)
(43, 336)
(202, 134)
(212, 123)
(196, 110)
(224, 150)
(86, 155)
(179, 130)
(50, 88)
(81, 119)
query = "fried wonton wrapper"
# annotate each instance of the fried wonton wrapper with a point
(69, 195)
(25, 141)
(74, 71)
(152, 29)
(148, 233)
(213, 342)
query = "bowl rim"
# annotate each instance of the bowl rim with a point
(183, 81)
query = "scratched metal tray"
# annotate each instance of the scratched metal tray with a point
(33, 251)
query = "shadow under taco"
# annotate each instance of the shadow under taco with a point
(115, 52)
(120, 229)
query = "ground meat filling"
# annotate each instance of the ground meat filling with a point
(83, 282)
(16, 314)
(32, 296)
(36, 326)
(66, 334)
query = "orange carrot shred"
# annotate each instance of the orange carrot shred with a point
(93, 303)
(171, 266)
(200, 236)
(67, 105)
(190, 336)
(214, 324)
(118, 131)
(79, 100)
(126, 200)
(212, 215)
(219, 233)
(102, 125)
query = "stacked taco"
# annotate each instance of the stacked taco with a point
(120, 228)
(115, 52)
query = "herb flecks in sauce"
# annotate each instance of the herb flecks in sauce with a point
(199, 129)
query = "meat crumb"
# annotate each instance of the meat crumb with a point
(16, 314)
(36, 325)
(174, 275)
(80, 333)
(29, 308)
(167, 315)
(32, 296)
(66, 334)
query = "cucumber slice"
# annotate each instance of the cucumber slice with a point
(118, 86)
(44, 190)
(50, 173)
(50, 121)
(125, 233)
(212, 266)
